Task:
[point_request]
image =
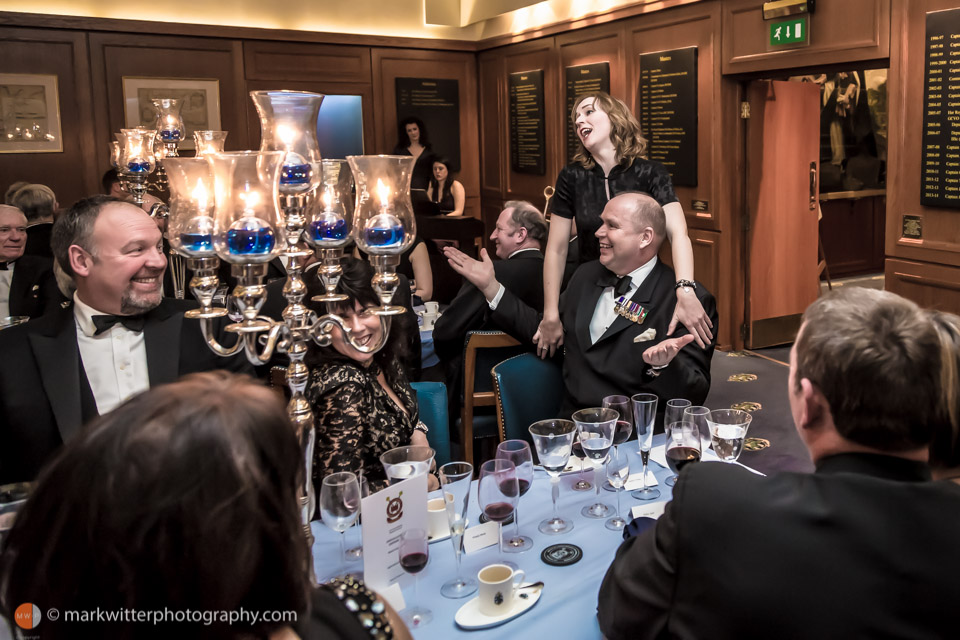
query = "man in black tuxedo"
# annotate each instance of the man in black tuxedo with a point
(865, 547)
(606, 353)
(118, 338)
(519, 236)
(27, 285)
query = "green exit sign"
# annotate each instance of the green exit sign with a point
(793, 31)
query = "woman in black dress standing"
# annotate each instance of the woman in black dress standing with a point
(412, 140)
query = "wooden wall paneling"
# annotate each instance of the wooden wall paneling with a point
(840, 32)
(598, 44)
(390, 64)
(493, 129)
(706, 256)
(851, 231)
(276, 61)
(933, 286)
(530, 56)
(62, 53)
(693, 26)
(941, 227)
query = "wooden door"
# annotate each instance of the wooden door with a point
(782, 152)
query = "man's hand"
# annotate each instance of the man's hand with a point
(690, 313)
(661, 354)
(479, 273)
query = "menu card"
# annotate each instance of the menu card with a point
(386, 515)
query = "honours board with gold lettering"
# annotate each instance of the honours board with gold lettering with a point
(668, 111)
(581, 79)
(528, 152)
(940, 165)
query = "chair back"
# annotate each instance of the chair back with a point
(432, 403)
(482, 350)
(527, 389)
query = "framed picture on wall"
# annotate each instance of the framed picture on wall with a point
(29, 114)
(200, 99)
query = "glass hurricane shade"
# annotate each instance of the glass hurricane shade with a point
(383, 220)
(288, 123)
(190, 225)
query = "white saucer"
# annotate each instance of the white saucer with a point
(469, 616)
(431, 540)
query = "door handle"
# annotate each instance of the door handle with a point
(813, 186)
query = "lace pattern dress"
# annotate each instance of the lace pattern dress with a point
(356, 420)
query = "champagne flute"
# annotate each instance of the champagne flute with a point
(498, 492)
(623, 406)
(618, 470)
(340, 504)
(553, 440)
(644, 415)
(414, 552)
(596, 426)
(698, 416)
(674, 413)
(355, 553)
(683, 445)
(518, 452)
(728, 428)
(455, 479)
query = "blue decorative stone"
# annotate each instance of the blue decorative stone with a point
(170, 135)
(138, 167)
(294, 174)
(325, 230)
(250, 237)
(197, 242)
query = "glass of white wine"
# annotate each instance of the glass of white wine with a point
(728, 429)
(455, 479)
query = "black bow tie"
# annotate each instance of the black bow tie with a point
(620, 285)
(3, 266)
(103, 323)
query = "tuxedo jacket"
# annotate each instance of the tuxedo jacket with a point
(33, 288)
(45, 396)
(866, 547)
(614, 364)
(521, 274)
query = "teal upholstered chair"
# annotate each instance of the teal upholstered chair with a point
(432, 400)
(527, 389)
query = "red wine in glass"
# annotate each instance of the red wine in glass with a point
(413, 562)
(622, 434)
(524, 485)
(679, 457)
(498, 511)
(577, 450)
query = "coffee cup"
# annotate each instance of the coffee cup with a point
(438, 525)
(498, 588)
(431, 307)
(429, 319)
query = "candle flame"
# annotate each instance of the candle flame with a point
(327, 199)
(384, 192)
(200, 196)
(286, 134)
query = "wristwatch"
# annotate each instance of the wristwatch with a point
(686, 285)
(420, 426)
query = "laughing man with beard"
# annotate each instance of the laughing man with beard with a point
(118, 338)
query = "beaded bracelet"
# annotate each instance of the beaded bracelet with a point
(366, 605)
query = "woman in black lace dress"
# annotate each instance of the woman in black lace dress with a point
(363, 403)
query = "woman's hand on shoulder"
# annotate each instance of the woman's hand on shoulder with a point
(549, 336)
(690, 313)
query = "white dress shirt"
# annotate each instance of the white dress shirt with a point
(6, 277)
(115, 361)
(605, 312)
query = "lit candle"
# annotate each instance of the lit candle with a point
(384, 192)
(200, 196)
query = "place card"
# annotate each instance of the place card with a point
(654, 510)
(481, 536)
(394, 595)
(635, 481)
(386, 515)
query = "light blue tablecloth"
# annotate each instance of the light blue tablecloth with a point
(567, 608)
(428, 355)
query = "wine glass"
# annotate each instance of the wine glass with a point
(728, 428)
(644, 415)
(623, 406)
(414, 552)
(455, 479)
(355, 553)
(683, 445)
(498, 491)
(553, 440)
(618, 470)
(577, 451)
(596, 426)
(518, 452)
(340, 504)
(674, 413)
(403, 463)
(698, 416)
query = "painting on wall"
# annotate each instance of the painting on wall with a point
(29, 114)
(200, 99)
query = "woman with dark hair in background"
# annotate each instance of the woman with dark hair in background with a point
(445, 189)
(363, 402)
(412, 140)
(183, 498)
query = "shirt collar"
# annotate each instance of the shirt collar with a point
(522, 250)
(638, 275)
(84, 314)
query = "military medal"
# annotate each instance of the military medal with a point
(630, 310)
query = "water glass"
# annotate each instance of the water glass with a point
(728, 429)
(553, 440)
(596, 426)
(340, 504)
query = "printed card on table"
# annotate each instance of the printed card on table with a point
(386, 515)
